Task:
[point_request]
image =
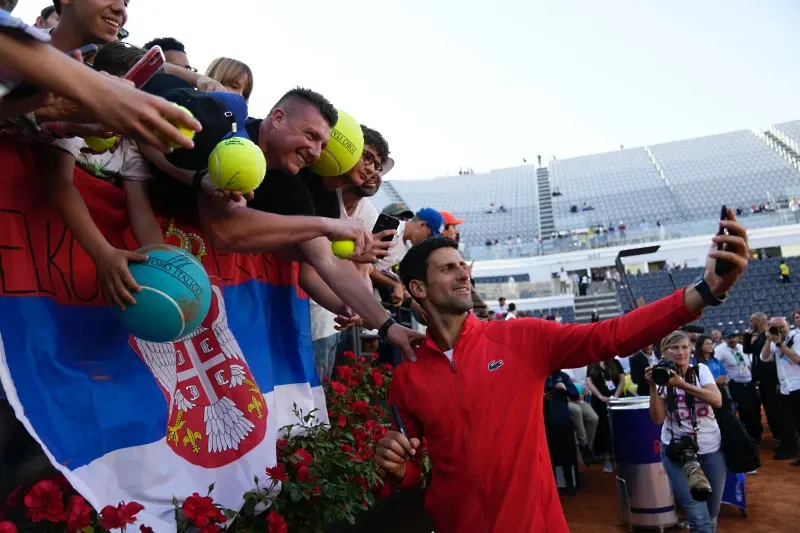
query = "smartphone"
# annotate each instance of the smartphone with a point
(26, 90)
(146, 67)
(385, 222)
(722, 267)
(123, 34)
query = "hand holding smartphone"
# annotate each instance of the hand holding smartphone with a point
(385, 222)
(146, 67)
(722, 266)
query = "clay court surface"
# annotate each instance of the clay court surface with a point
(773, 501)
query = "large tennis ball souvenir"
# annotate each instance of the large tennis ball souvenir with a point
(344, 149)
(237, 164)
(175, 297)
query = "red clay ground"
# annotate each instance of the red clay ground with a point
(773, 501)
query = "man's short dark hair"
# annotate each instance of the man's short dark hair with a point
(512, 307)
(325, 108)
(57, 5)
(117, 58)
(415, 263)
(167, 44)
(375, 139)
(47, 12)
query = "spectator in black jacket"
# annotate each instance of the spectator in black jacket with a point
(639, 362)
(558, 389)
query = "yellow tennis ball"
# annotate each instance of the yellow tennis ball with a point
(98, 144)
(237, 164)
(186, 132)
(344, 149)
(343, 249)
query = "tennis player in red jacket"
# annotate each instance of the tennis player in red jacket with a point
(475, 392)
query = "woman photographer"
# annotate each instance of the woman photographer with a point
(685, 408)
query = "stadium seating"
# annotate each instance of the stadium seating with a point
(682, 184)
(622, 185)
(737, 169)
(469, 196)
(760, 289)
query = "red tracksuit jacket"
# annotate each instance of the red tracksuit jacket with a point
(482, 417)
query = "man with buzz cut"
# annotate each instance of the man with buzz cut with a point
(295, 212)
(475, 392)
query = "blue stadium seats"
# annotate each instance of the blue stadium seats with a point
(759, 290)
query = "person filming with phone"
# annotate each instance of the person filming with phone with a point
(683, 398)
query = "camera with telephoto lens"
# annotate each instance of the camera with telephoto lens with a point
(661, 372)
(774, 331)
(684, 451)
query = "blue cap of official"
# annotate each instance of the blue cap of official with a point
(433, 219)
(237, 105)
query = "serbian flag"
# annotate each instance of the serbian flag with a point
(128, 420)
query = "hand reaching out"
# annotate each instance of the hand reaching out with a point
(115, 277)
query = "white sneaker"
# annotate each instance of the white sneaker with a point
(753, 473)
(607, 466)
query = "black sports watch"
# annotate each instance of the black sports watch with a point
(384, 329)
(701, 286)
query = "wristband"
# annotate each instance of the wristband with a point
(384, 329)
(701, 286)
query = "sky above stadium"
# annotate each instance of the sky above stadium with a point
(465, 83)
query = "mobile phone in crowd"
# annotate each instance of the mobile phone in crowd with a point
(385, 222)
(722, 266)
(146, 67)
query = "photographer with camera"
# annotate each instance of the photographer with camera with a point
(682, 399)
(782, 348)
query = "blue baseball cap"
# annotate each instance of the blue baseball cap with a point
(433, 219)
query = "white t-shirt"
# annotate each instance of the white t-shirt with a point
(122, 162)
(736, 362)
(788, 371)
(680, 422)
(322, 320)
(626, 363)
(563, 276)
(499, 309)
(511, 316)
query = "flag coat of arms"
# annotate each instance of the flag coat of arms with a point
(128, 420)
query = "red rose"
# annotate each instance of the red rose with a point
(378, 411)
(45, 502)
(278, 472)
(359, 434)
(361, 407)
(61, 481)
(303, 474)
(201, 510)
(346, 448)
(7, 527)
(384, 490)
(365, 452)
(350, 355)
(342, 421)
(338, 388)
(377, 378)
(120, 516)
(16, 497)
(280, 446)
(375, 356)
(79, 513)
(379, 432)
(345, 373)
(388, 367)
(360, 482)
(301, 458)
(276, 523)
(144, 529)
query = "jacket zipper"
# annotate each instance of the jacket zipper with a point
(473, 454)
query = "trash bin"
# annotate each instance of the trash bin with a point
(643, 489)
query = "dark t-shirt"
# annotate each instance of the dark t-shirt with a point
(283, 194)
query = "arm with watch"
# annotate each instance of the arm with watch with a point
(573, 345)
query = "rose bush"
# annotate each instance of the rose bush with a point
(324, 474)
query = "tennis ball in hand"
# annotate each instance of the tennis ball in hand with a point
(343, 249)
(345, 147)
(186, 132)
(237, 164)
(100, 145)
